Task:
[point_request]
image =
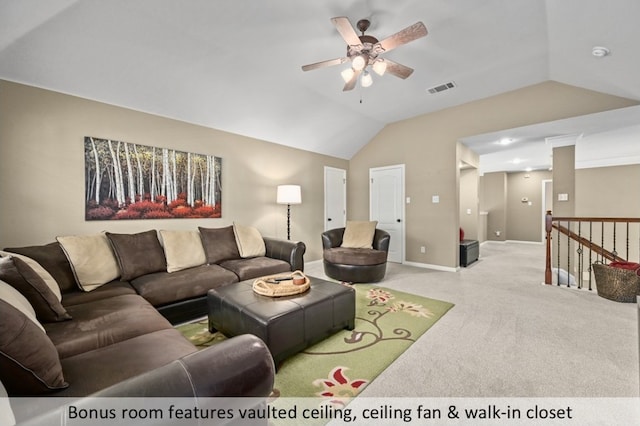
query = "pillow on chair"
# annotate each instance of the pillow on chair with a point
(359, 234)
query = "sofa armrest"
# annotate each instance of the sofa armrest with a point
(240, 366)
(332, 238)
(289, 251)
(381, 240)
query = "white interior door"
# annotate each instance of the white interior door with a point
(335, 198)
(386, 198)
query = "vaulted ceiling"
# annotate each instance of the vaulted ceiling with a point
(236, 65)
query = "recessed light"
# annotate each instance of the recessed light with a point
(517, 161)
(505, 141)
(600, 52)
(528, 169)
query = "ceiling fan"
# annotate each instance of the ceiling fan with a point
(365, 51)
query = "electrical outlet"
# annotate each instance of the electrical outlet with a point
(497, 233)
(423, 249)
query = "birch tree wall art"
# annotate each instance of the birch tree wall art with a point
(129, 181)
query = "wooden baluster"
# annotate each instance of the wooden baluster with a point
(568, 255)
(590, 252)
(548, 220)
(558, 268)
(580, 258)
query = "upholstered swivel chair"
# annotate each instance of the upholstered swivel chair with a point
(355, 265)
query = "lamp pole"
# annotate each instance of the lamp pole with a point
(288, 221)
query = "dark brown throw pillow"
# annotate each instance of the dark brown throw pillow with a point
(138, 254)
(29, 362)
(17, 273)
(219, 244)
(52, 258)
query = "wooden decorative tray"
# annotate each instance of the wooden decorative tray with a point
(286, 284)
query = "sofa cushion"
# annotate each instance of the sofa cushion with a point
(19, 275)
(52, 258)
(112, 289)
(91, 258)
(182, 249)
(104, 322)
(249, 241)
(163, 288)
(29, 363)
(89, 372)
(354, 256)
(255, 267)
(219, 244)
(38, 269)
(359, 234)
(137, 254)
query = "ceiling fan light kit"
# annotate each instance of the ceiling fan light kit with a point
(364, 52)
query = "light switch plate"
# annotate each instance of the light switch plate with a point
(563, 197)
(435, 199)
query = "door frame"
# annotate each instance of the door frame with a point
(545, 207)
(344, 200)
(403, 235)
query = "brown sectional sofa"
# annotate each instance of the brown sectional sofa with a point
(120, 340)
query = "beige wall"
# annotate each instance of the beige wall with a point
(426, 144)
(42, 170)
(525, 219)
(564, 161)
(608, 191)
(494, 202)
(469, 206)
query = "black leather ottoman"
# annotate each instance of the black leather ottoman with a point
(286, 324)
(469, 251)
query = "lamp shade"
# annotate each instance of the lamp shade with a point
(289, 194)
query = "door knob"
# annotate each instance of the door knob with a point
(398, 220)
(329, 220)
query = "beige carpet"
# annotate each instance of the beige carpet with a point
(508, 335)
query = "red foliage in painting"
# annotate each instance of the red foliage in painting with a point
(161, 199)
(157, 214)
(99, 213)
(198, 203)
(182, 211)
(110, 202)
(146, 206)
(204, 211)
(182, 196)
(128, 214)
(177, 203)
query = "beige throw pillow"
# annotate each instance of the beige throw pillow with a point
(182, 249)
(249, 241)
(359, 234)
(91, 258)
(18, 301)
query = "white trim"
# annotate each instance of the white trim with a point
(524, 242)
(429, 266)
(326, 225)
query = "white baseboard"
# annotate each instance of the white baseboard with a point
(430, 266)
(524, 242)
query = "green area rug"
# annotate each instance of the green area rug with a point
(341, 366)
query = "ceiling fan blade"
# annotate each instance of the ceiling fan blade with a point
(352, 83)
(323, 64)
(346, 30)
(398, 70)
(405, 36)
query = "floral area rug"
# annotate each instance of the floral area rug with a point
(341, 366)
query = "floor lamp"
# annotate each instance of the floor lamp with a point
(289, 194)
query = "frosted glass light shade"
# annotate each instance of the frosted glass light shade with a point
(347, 74)
(379, 66)
(366, 80)
(359, 62)
(289, 194)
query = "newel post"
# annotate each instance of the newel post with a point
(547, 226)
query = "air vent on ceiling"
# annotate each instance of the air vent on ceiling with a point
(441, 87)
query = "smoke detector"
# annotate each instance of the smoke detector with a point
(600, 52)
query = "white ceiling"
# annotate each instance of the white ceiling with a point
(235, 65)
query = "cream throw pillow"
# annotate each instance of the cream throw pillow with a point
(182, 249)
(359, 234)
(42, 273)
(18, 301)
(249, 241)
(91, 258)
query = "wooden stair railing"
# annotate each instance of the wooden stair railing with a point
(552, 223)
